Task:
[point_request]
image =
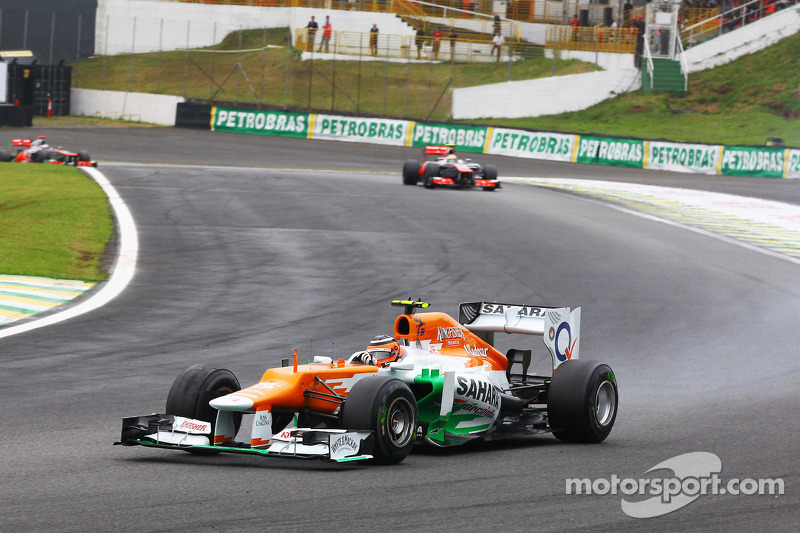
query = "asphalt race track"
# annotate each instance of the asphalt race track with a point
(263, 245)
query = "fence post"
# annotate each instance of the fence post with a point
(186, 58)
(25, 32)
(360, 46)
(160, 43)
(77, 50)
(133, 50)
(52, 34)
(211, 68)
(105, 50)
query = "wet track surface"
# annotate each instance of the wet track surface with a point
(264, 245)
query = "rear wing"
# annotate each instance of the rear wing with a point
(21, 142)
(438, 150)
(560, 327)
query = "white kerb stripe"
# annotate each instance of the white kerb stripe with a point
(121, 272)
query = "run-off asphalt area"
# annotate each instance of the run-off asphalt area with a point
(240, 266)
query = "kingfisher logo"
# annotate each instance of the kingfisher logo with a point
(449, 333)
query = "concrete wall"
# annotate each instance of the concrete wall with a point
(138, 107)
(547, 96)
(743, 41)
(550, 96)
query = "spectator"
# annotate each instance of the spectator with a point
(327, 31)
(419, 40)
(640, 26)
(627, 9)
(497, 27)
(497, 44)
(437, 42)
(575, 23)
(373, 39)
(453, 36)
(311, 32)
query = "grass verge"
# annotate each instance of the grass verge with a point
(54, 222)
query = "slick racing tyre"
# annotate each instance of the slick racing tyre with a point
(83, 155)
(411, 172)
(582, 401)
(489, 173)
(431, 171)
(5, 157)
(386, 407)
(195, 387)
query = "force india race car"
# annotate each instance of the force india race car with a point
(38, 151)
(438, 379)
(448, 170)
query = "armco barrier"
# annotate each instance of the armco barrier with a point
(772, 162)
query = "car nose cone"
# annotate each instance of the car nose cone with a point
(231, 403)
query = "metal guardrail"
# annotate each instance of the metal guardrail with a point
(541, 11)
(593, 39)
(729, 18)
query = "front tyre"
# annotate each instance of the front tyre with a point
(195, 387)
(386, 407)
(411, 172)
(431, 171)
(582, 401)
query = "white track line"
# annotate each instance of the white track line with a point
(121, 272)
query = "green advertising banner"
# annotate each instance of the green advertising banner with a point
(604, 151)
(465, 138)
(749, 161)
(360, 129)
(531, 144)
(792, 164)
(260, 122)
(698, 158)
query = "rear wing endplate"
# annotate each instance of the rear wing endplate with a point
(558, 326)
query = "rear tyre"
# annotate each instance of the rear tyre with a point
(386, 407)
(411, 172)
(83, 155)
(5, 156)
(195, 387)
(582, 401)
(431, 171)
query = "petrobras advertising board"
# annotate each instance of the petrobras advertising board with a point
(607, 151)
(464, 138)
(259, 122)
(360, 129)
(532, 144)
(679, 157)
(792, 159)
(752, 161)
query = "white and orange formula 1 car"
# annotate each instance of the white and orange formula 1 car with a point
(38, 151)
(448, 170)
(438, 379)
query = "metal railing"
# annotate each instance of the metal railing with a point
(594, 39)
(684, 64)
(460, 50)
(729, 18)
(649, 62)
(541, 11)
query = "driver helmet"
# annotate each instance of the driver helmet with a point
(385, 349)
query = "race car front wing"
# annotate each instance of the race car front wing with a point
(176, 432)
